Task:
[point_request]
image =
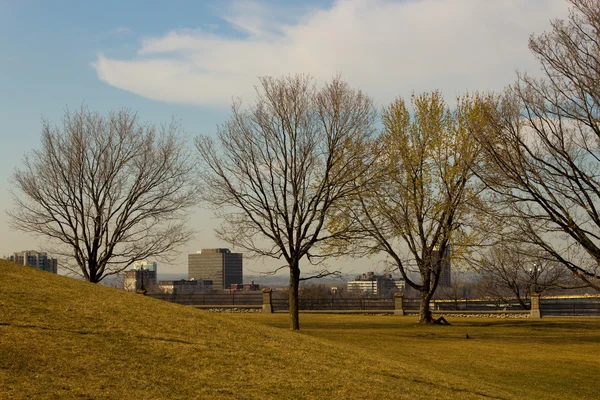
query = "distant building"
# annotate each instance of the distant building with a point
(398, 285)
(375, 285)
(445, 272)
(220, 266)
(366, 287)
(245, 286)
(184, 286)
(35, 259)
(149, 266)
(134, 278)
(141, 271)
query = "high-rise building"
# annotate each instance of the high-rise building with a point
(220, 266)
(445, 273)
(39, 260)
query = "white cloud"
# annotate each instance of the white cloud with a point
(388, 48)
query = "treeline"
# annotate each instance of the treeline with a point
(305, 174)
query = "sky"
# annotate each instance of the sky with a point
(191, 58)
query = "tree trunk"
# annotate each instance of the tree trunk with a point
(93, 272)
(522, 303)
(424, 311)
(294, 283)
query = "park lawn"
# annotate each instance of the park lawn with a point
(63, 338)
(503, 358)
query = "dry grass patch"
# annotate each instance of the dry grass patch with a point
(504, 358)
(63, 338)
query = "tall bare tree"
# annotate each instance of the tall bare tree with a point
(277, 169)
(459, 290)
(515, 270)
(416, 210)
(107, 189)
(544, 158)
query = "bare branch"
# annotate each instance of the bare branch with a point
(277, 169)
(109, 190)
(543, 170)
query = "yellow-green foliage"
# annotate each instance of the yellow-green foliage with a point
(426, 159)
(63, 338)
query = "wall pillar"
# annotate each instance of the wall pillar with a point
(267, 306)
(535, 306)
(398, 303)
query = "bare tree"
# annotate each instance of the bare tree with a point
(513, 270)
(108, 190)
(544, 156)
(277, 169)
(416, 210)
(314, 295)
(459, 290)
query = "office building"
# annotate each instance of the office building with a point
(184, 286)
(35, 259)
(141, 271)
(364, 287)
(375, 285)
(445, 273)
(220, 266)
(146, 265)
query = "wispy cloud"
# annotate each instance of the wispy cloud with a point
(121, 30)
(388, 48)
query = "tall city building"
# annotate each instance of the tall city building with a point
(445, 273)
(39, 260)
(220, 266)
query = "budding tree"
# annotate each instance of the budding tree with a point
(415, 208)
(275, 170)
(108, 190)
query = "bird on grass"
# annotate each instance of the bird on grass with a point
(468, 337)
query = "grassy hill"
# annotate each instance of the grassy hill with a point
(63, 338)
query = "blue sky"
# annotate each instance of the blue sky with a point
(190, 58)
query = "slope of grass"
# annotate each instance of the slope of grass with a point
(63, 338)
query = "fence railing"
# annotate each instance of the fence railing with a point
(477, 305)
(566, 306)
(337, 304)
(212, 299)
(576, 306)
(585, 306)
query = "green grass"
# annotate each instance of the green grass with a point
(62, 338)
